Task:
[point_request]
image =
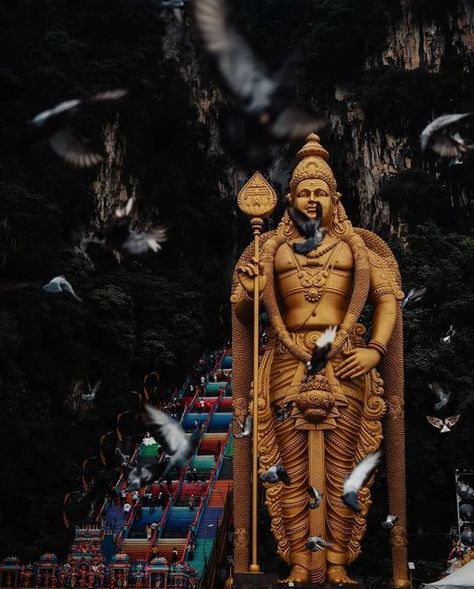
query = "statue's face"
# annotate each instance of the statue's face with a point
(310, 192)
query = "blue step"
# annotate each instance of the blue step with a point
(220, 422)
(190, 418)
(210, 517)
(178, 521)
(148, 517)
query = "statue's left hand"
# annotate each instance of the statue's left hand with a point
(357, 362)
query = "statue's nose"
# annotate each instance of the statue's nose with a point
(312, 196)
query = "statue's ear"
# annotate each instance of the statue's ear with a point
(288, 198)
(338, 196)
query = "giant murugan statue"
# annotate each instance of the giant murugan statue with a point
(334, 420)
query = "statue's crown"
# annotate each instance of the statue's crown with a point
(313, 159)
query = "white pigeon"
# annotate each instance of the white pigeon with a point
(443, 398)
(60, 284)
(137, 477)
(246, 428)
(445, 425)
(357, 478)
(316, 543)
(320, 355)
(177, 443)
(415, 295)
(91, 395)
(389, 522)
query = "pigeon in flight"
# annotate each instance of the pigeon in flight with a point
(138, 477)
(357, 478)
(121, 457)
(440, 136)
(315, 497)
(442, 396)
(119, 236)
(315, 544)
(60, 284)
(92, 392)
(415, 295)
(246, 428)
(264, 110)
(389, 522)
(321, 351)
(56, 125)
(274, 474)
(444, 425)
(174, 438)
(450, 333)
(309, 228)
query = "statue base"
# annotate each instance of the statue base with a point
(270, 581)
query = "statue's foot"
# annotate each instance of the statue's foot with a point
(337, 574)
(298, 574)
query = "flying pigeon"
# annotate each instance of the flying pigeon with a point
(264, 110)
(466, 511)
(321, 351)
(415, 295)
(357, 478)
(121, 457)
(246, 428)
(91, 395)
(446, 425)
(60, 284)
(179, 447)
(274, 474)
(465, 492)
(389, 522)
(439, 136)
(450, 333)
(55, 124)
(118, 234)
(309, 228)
(315, 496)
(315, 543)
(138, 477)
(440, 394)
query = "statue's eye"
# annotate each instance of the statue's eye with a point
(303, 194)
(322, 193)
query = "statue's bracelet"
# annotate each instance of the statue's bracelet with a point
(375, 345)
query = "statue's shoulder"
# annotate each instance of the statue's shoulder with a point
(379, 252)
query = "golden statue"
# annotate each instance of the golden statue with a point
(333, 421)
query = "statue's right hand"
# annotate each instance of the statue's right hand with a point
(247, 273)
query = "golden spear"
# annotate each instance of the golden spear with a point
(257, 200)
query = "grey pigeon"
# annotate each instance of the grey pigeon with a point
(389, 522)
(60, 284)
(282, 413)
(443, 398)
(315, 544)
(246, 428)
(465, 491)
(320, 355)
(309, 228)
(119, 236)
(138, 477)
(439, 136)
(55, 124)
(357, 478)
(179, 447)
(415, 295)
(466, 511)
(275, 474)
(315, 497)
(467, 538)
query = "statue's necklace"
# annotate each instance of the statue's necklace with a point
(314, 280)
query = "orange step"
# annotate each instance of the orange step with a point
(219, 493)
